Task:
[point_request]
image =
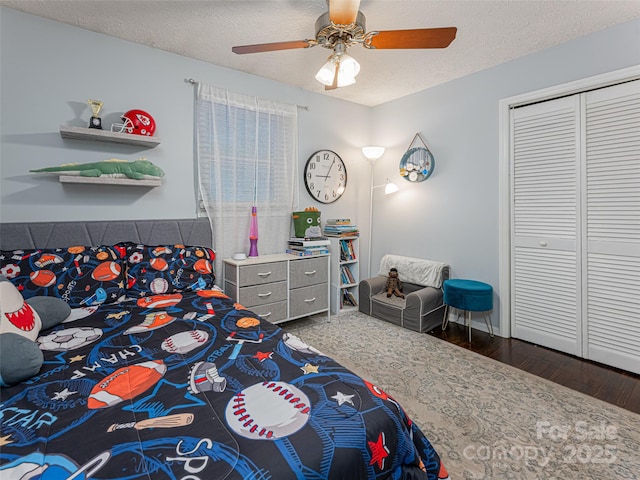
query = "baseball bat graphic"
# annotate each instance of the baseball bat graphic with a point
(169, 421)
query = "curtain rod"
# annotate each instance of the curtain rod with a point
(193, 82)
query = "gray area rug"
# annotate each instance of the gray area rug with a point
(487, 420)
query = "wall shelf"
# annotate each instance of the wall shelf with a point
(94, 134)
(150, 182)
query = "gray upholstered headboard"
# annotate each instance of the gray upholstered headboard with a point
(195, 231)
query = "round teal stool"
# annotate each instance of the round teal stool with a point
(468, 296)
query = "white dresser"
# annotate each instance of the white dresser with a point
(279, 287)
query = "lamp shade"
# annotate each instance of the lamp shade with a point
(373, 153)
(390, 187)
(347, 72)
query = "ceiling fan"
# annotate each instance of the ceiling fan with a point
(343, 26)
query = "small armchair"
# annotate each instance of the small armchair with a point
(422, 308)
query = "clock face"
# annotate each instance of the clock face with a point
(325, 176)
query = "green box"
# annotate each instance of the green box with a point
(307, 224)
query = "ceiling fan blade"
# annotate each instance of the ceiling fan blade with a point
(343, 12)
(271, 47)
(417, 38)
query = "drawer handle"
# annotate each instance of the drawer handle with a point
(262, 295)
(310, 300)
(265, 315)
(313, 272)
(264, 274)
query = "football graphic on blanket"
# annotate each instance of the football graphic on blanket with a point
(268, 411)
(125, 384)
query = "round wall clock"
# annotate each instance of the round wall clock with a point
(325, 176)
(417, 164)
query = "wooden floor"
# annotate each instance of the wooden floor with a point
(600, 381)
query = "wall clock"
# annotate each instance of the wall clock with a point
(325, 176)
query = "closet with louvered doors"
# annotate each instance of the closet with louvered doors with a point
(575, 224)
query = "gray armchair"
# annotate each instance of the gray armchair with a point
(422, 308)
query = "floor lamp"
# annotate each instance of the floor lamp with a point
(372, 154)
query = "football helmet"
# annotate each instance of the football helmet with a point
(137, 122)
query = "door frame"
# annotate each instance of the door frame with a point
(504, 169)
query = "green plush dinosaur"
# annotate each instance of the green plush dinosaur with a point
(136, 170)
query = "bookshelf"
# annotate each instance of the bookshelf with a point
(345, 273)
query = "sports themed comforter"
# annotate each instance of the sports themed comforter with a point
(189, 385)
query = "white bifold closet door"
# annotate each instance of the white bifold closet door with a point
(575, 256)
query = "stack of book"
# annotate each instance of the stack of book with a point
(348, 299)
(308, 246)
(340, 227)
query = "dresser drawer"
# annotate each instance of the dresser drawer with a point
(257, 274)
(272, 312)
(263, 294)
(308, 271)
(307, 300)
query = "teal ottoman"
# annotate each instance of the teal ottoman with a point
(468, 296)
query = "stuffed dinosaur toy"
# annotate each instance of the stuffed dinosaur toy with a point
(394, 285)
(20, 325)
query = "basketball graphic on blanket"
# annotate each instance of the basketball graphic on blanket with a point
(159, 264)
(125, 384)
(268, 411)
(184, 342)
(106, 271)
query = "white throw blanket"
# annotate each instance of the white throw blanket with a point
(413, 270)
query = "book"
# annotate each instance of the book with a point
(339, 221)
(309, 243)
(307, 253)
(307, 247)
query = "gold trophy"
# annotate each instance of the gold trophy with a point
(96, 121)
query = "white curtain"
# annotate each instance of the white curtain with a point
(246, 155)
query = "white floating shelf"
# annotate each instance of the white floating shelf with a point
(151, 182)
(81, 133)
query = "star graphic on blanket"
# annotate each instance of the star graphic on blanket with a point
(77, 358)
(262, 356)
(379, 451)
(63, 395)
(308, 368)
(341, 398)
(5, 440)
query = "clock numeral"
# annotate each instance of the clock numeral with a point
(312, 166)
(318, 194)
(312, 186)
(326, 155)
(326, 197)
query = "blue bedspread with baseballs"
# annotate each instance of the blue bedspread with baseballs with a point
(193, 386)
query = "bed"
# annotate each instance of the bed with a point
(157, 374)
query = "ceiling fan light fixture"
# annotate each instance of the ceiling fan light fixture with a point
(349, 68)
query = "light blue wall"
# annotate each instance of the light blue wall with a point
(48, 70)
(453, 215)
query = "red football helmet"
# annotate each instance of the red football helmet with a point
(137, 122)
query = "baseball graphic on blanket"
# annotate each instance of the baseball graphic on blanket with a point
(184, 342)
(268, 411)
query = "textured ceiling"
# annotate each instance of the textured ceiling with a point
(490, 32)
